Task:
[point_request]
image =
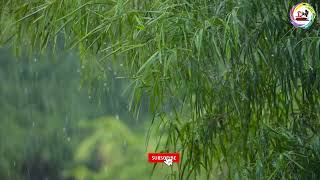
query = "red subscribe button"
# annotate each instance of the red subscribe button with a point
(162, 157)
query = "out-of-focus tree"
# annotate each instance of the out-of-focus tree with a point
(41, 102)
(113, 151)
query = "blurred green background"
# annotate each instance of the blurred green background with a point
(55, 127)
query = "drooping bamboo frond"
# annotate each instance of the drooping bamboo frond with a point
(237, 83)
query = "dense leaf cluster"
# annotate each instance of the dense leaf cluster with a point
(238, 84)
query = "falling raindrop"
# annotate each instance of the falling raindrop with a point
(124, 145)
(121, 64)
(35, 59)
(33, 124)
(106, 169)
(124, 142)
(68, 139)
(105, 84)
(89, 97)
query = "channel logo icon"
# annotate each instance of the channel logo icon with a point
(302, 15)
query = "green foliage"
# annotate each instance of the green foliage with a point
(111, 151)
(238, 85)
(41, 103)
(36, 121)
